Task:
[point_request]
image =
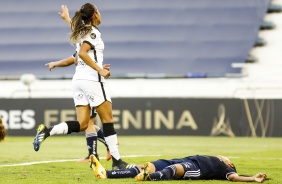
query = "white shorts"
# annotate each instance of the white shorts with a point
(90, 92)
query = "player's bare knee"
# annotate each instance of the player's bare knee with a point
(83, 128)
(179, 171)
(83, 125)
(107, 120)
(91, 122)
(152, 168)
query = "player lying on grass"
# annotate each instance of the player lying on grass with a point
(198, 167)
(2, 130)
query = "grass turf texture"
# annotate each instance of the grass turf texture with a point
(250, 156)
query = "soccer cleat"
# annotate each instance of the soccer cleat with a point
(144, 175)
(121, 165)
(99, 170)
(40, 137)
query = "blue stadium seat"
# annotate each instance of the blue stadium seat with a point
(141, 36)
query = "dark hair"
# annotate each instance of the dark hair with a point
(2, 130)
(81, 23)
(234, 167)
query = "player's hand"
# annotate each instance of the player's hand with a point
(105, 73)
(260, 177)
(51, 65)
(65, 13)
(106, 67)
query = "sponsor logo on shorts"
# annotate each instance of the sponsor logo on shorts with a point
(91, 98)
(186, 164)
(161, 174)
(79, 96)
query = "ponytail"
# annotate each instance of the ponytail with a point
(81, 23)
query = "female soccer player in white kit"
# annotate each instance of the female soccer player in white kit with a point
(88, 83)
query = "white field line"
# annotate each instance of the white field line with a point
(128, 156)
(68, 160)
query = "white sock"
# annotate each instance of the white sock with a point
(61, 128)
(113, 146)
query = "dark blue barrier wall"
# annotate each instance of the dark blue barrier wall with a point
(141, 36)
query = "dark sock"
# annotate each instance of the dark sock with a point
(100, 135)
(73, 126)
(166, 174)
(123, 173)
(47, 133)
(91, 141)
(115, 161)
(108, 129)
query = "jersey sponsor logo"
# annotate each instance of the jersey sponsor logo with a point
(93, 36)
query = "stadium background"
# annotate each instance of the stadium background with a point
(179, 67)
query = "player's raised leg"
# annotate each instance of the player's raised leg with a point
(63, 128)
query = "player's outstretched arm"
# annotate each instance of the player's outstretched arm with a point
(61, 63)
(260, 177)
(65, 14)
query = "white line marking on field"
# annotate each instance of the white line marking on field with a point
(68, 160)
(128, 156)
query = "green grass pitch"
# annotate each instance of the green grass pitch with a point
(250, 156)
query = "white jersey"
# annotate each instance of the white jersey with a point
(83, 71)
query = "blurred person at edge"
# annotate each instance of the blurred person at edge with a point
(2, 130)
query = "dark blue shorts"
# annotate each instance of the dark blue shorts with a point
(93, 112)
(162, 163)
(191, 170)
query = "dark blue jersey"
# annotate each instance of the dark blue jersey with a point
(198, 167)
(211, 167)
